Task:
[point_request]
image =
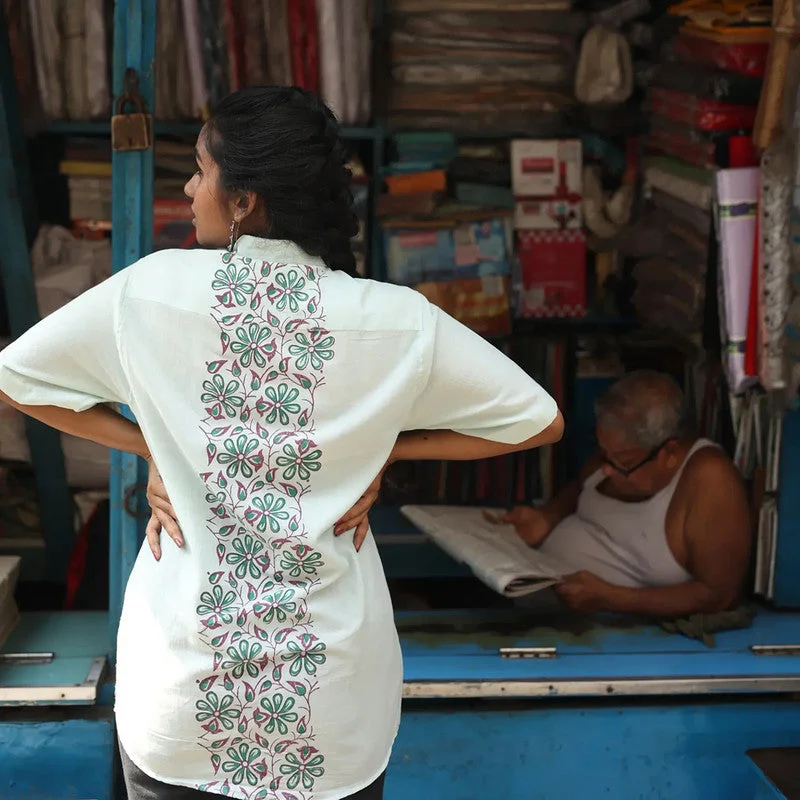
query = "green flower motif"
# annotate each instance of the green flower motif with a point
(246, 558)
(300, 461)
(252, 345)
(217, 606)
(279, 403)
(305, 655)
(288, 292)
(243, 658)
(305, 767)
(301, 559)
(233, 283)
(244, 764)
(277, 606)
(267, 510)
(241, 456)
(314, 348)
(279, 714)
(222, 396)
(217, 712)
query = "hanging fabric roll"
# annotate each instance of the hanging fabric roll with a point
(276, 25)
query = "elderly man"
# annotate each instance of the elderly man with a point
(658, 523)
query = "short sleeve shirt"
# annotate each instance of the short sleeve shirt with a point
(261, 659)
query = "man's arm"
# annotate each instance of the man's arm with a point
(717, 535)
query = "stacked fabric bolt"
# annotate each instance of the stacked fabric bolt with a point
(204, 50)
(465, 65)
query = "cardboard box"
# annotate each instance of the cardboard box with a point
(413, 255)
(482, 304)
(471, 250)
(547, 181)
(552, 274)
(548, 214)
(481, 249)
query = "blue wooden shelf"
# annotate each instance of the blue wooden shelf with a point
(102, 127)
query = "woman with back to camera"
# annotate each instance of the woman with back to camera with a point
(259, 659)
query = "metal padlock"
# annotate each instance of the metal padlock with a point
(131, 131)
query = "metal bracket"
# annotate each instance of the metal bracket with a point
(528, 652)
(775, 649)
(20, 659)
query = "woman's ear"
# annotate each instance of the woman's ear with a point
(244, 205)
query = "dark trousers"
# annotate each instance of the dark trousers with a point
(143, 787)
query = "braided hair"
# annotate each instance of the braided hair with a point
(282, 143)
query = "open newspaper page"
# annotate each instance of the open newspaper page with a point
(495, 553)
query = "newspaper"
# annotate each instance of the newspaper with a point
(494, 552)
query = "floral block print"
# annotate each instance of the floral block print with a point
(254, 709)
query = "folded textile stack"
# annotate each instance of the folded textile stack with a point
(204, 50)
(451, 238)
(468, 66)
(706, 90)
(703, 99)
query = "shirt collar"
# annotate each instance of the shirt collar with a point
(279, 251)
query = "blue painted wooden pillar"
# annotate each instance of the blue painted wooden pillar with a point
(55, 503)
(787, 559)
(132, 238)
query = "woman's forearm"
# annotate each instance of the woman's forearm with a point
(100, 424)
(452, 446)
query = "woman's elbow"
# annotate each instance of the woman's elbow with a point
(551, 434)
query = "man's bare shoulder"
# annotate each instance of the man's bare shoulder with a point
(711, 470)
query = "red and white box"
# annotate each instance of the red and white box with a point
(547, 181)
(552, 273)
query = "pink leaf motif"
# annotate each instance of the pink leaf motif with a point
(221, 553)
(298, 688)
(216, 761)
(215, 366)
(214, 577)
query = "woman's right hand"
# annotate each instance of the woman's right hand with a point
(162, 514)
(533, 525)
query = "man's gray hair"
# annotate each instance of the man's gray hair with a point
(647, 407)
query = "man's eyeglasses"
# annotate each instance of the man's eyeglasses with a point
(628, 471)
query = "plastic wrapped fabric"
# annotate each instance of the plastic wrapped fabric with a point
(604, 74)
(698, 112)
(745, 58)
(702, 149)
(710, 82)
(194, 50)
(255, 44)
(433, 6)
(682, 181)
(777, 186)
(97, 89)
(478, 98)
(541, 123)
(736, 215)
(545, 72)
(498, 26)
(48, 55)
(276, 24)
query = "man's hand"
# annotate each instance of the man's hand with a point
(162, 514)
(533, 525)
(357, 517)
(584, 592)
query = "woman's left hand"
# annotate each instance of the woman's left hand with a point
(162, 514)
(357, 517)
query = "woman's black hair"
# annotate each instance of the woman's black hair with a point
(283, 144)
